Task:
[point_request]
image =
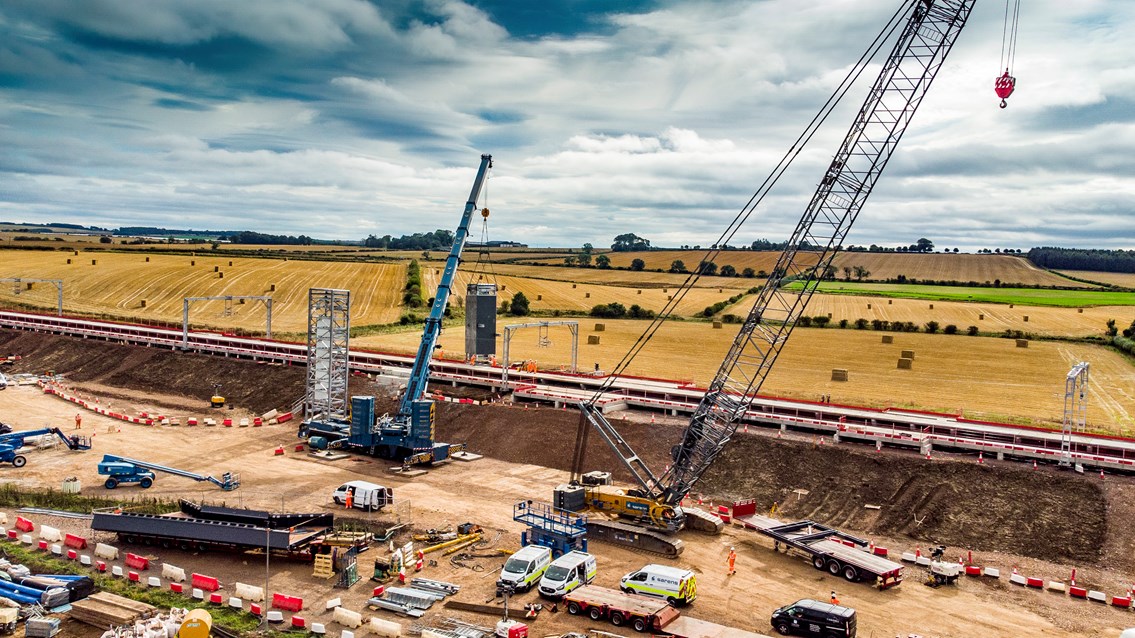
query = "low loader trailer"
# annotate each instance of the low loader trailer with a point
(651, 616)
(825, 547)
(189, 533)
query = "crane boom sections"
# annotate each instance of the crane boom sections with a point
(930, 31)
(420, 373)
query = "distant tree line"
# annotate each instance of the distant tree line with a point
(249, 237)
(1084, 259)
(437, 240)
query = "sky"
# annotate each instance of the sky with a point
(339, 119)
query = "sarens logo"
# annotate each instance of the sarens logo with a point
(631, 505)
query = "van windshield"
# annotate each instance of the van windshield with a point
(557, 573)
(516, 565)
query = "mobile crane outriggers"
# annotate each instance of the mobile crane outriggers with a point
(926, 37)
(408, 435)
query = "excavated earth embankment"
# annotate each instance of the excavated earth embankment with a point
(1004, 507)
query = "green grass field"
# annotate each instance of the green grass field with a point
(1022, 296)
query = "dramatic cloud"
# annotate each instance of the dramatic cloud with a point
(342, 118)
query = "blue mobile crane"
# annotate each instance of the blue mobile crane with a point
(408, 435)
(120, 470)
(12, 442)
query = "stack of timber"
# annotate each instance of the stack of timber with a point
(105, 609)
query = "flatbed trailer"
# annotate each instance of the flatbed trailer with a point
(642, 613)
(683, 627)
(826, 547)
(188, 533)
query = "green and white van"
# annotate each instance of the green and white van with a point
(524, 569)
(677, 586)
(567, 572)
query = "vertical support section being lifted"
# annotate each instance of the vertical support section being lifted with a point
(328, 337)
(480, 320)
(1075, 409)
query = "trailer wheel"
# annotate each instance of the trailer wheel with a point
(850, 573)
(185, 546)
(783, 629)
(818, 562)
(639, 624)
(834, 568)
(573, 608)
(110, 483)
(617, 619)
(146, 483)
(595, 613)
(19, 461)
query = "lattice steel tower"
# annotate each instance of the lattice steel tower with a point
(1075, 409)
(328, 335)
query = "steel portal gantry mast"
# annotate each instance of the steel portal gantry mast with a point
(929, 33)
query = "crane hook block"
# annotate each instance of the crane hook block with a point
(485, 213)
(1004, 86)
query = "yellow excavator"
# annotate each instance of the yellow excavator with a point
(217, 401)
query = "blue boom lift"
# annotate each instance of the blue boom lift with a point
(11, 442)
(407, 436)
(119, 470)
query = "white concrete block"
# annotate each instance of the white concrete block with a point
(992, 572)
(236, 603)
(116, 570)
(27, 539)
(318, 629)
(333, 603)
(154, 581)
(57, 549)
(1097, 596)
(50, 534)
(1018, 579)
(275, 616)
(85, 559)
(173, 572)
(922, 560)
(347, 618)
(106, 551)
(197, 594)
(908, 557)
(1054, 585)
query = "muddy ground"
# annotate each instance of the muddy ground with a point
(1041, 521)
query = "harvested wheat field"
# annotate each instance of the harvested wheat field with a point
(545, 295)
(982, 377)
(126, 285)
(988, 317)
(882, 266)
(1125, 279)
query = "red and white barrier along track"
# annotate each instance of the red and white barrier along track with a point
(898, 428)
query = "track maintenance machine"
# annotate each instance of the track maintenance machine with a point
(12, 442)
(408, 435)
(646, 516)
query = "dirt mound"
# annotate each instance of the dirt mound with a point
(1009, 508)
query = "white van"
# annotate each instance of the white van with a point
(524, 569)
(567, 572)
(364, 495)
(677, 586)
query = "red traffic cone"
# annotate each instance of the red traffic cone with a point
(652, 418)
(1101, 473)
(1034, 464)
(980, 459)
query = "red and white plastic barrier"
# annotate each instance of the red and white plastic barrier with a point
(205, 583)
(288, 603)
(77, 542)
(136, 561)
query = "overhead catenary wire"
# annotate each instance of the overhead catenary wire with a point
(766, 186)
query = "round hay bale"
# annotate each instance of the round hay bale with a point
(981, 317)
(216, 269)
(890, 302)
(573, 285)
(230, 263)
(931, 306)
(220, 275)
(193, 262)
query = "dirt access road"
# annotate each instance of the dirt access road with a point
(484, 491)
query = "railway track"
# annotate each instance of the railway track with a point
(920, 431)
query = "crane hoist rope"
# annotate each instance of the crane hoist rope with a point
(1006, 83)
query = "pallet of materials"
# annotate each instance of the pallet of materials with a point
(105, 609)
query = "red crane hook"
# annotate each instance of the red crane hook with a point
(1004, 86)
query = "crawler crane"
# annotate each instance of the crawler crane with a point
(650, 512)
